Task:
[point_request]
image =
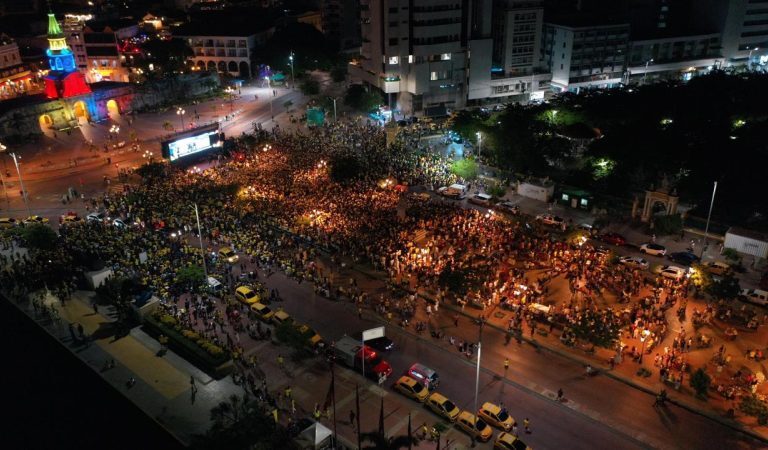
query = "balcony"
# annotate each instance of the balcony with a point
(389, 84)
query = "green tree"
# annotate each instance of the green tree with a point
(191, 277)
(666, 225)
(166, 56)
(362, 100)
(700, 382)
(726, 287)
(40, 237)
(466, 168)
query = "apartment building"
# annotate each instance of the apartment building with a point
(516, 73)
(744, 31)
(585, 53)
(15, 78)
(95, 46)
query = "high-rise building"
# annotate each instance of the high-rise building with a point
(585, 52)
(744, 31)
(416, 51)
(515, 73)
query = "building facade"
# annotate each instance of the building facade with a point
(745, 31)
(416, 52)
(229, 55)
(341, 22)
(585, 56)
(15, 77)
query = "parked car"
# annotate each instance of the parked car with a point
(35, 219)
(474, 426)
(653, 249)
(68, 218)
(496, 417)
(685, 258)
(673, 272)
(549, 219)
(7, 222)
(228, 255)
(613, 239)
(716, 267)
(246, 295)
(411, 388)
(424, 375)
(119, 223)
(508, 441)
(95, 217)
(440, 405)
(481, 199)
(756, 296)
(634, 262)
(508, 207)
(262, 312)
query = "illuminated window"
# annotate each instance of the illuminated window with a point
(445, 57)
(583, 202)
(410, 59)
(565, 197)
(394, 60)
(433, 76)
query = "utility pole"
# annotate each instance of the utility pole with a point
(477, 377)
(709, 216)
(293, 80)
(200, 237)
(13, 156)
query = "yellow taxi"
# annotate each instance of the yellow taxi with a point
(281, 317)
(495, 416)
(262, 312)
(474, 426)
(506, 441)
(36, 219)
(411, 388)
(228, 255)
(313, 338)
(69, 218)
(8, 222)
(443, 407)
(246, 295)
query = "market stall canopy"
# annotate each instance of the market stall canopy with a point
(316, 436)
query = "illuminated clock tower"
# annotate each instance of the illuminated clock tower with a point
(63, 80)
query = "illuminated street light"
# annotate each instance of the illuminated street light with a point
(180, 112)
(645, 74)
(643, 338)
(231, 93)
(15, 158)
(293, 81)
(479, 144)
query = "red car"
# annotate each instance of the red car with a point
(613, 239)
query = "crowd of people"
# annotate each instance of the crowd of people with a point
(281, 203)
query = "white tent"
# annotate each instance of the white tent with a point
(316, 436)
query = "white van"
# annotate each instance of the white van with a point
(214, 285)
(755, 296)
(457, 191)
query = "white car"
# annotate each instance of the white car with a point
(549, 219)
(119, 224)
(508, 207)
(653, 249)
(634, 262)
(673, 272)
(481, 199)
(95, 217)
(756, 296)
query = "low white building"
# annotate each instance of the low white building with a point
(747, 242)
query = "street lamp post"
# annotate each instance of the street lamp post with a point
(3, 148)
(231, 93)
(334, 108)
(180, 112)
(477, 376)
(271, 97)
(645, 74)
(293, 81)
(643, 338)
(709, 216)
(479, 144)
(21, 181)
(200, 237)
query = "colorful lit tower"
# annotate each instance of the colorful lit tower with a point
(63, 80)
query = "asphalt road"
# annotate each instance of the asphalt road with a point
(600, 412)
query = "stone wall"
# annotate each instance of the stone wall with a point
(172, 91)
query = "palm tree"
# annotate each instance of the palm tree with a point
(380, 441)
